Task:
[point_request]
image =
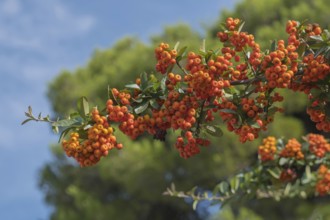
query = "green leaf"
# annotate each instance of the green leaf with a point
(227, 110)
(195, 203)
(273, 46)
(67, 122)
(141, 108)
(224, 187)
(308, 172)
(144, 80)
(182, 51)
(275, 172)
(133, 86)
(27, 120)
(154, 104)
(163, 84)
(283, 161)
(253, 123)
(287, 189)
(316, 38)
(234, 184)
(320, 51)
(241, 26)
(30, 110)
(83, 106)
(213, 130)
(64, 133)
(55, 129)
(271, 111)
(202, 48)
(301, 49)
(176, 46)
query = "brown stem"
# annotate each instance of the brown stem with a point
(199, 120)
(245, 81)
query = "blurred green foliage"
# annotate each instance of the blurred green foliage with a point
(128, 184)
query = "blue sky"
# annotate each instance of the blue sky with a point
(38, 39)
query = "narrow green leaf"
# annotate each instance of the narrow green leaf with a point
(27, 120)
(176, 46)
(283, 161)
(83, 106)
(226, 110)
(213, 130)
(301, 49)
(274, 172)
(308, 172)
(133, 86)
(320, 51)
(273, 46)
(202, 48)
(67, 122)
(287, 189)
(234, 184)
(55, 129)
(182, 51)
(64, 133)
(154, 104)
(195, 203)
(163, 84)
(241, 26)
(30, 110)
(224, 187)
(316, 38)
(141, 108)
(144, 80)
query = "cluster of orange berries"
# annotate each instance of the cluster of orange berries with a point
(318, 145)
(191, 147)
(100, 140)
(205, 82)
(268, 148)
(318, 115)
(173, 80)
(179, 112)
(165, 57)
(323, 184)
(292, 150)
(129, 124)
(279, 66)
(246, 132)
(292, 30)
(316, 68)
(313, 29)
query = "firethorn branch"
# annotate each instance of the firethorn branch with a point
(221, 84)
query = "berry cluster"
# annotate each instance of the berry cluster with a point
(268, 149)
(317, 113)
(316, 68)
(318, 145)
(190, 147)
(100, 140)
(165, 57)
(292, 150)
(237, 82)
(130, 125)
(323, 184)
(279, 66)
